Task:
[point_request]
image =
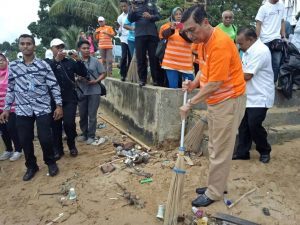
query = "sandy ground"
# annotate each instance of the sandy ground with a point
(98, 201)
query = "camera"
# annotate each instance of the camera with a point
(69, 52)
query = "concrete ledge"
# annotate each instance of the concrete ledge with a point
(152, 112)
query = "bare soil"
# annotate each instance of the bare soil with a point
(98, 201)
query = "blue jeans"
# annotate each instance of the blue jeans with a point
(173, 77)
(276, 61)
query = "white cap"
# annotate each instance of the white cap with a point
(101, 18)
(20, 55)
(48, 54)
(56, 42)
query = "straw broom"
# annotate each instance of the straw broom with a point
(194, 137)
(132, 70)
(174, 202)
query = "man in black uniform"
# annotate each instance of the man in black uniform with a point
(65, 70)
(145, 14)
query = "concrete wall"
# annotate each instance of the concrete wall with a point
(151, 111)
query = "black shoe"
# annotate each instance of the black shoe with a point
(73, 152)
(265, 158)
(53, 169)
(142, 84)
(202, 201)
(237, 157)
(123, 78)
(30, 173)
(202, 190)
(155, 84)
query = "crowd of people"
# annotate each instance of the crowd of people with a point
(235, 68)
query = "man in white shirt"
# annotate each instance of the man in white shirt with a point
(257, 68)
(126, 57)
(270, 28)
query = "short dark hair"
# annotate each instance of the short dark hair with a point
(80, 43)
(197, 12)
(249, 32)
(27, 36)
(124, 1)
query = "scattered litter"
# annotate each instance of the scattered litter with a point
(202, 221)
(240, 198)
(101, 126)
(197, 212)
(107, 168)
(146, 180)
(132, 155)
(72, 194)
(266, 211)
(140, 173)
(100, 141)
(113, 198)
(131, 198)
(160, 212)
(56, 219)
(188, 160)
(227, 201)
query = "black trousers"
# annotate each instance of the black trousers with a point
(10, 134)
(251, 129)
(125, 60)
(25, 127)
(68, 121)
(143, 45)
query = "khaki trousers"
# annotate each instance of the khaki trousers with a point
(223, 122)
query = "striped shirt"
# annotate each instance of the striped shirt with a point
(105, 41)
(29, 86)
(178, 55)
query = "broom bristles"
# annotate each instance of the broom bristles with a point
(174, 202)
(194, 137)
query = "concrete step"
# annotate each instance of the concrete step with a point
(282, 102)
(282, 116)
(280, 134)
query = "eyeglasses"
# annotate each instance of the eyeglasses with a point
(2, 60)
(228, 17)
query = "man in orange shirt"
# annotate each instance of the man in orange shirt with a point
(222, 86)
(104, 35)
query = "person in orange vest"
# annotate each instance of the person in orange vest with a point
(104, 35)
(178, 58)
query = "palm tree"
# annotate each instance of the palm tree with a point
(70, 36)
(87, 9)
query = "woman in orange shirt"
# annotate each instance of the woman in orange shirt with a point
(178, 59)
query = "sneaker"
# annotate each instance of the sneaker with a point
(90, 140)
(16, 156)
(6, 155)
(81, 138)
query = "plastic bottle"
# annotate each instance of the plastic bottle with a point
(72, 194)
(198, 212)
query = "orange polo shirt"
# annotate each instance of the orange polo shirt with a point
(219, 60)
(178, 54)
(104, 41)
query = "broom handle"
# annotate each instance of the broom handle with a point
(183, 122)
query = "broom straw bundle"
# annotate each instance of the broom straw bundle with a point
(194, 137)
(174, 202)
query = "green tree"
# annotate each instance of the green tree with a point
(70, 36)
(88, 10)
(47, 27)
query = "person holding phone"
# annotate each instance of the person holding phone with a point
(65, 70)
(178, 58)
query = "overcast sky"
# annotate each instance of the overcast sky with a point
(15, 16)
